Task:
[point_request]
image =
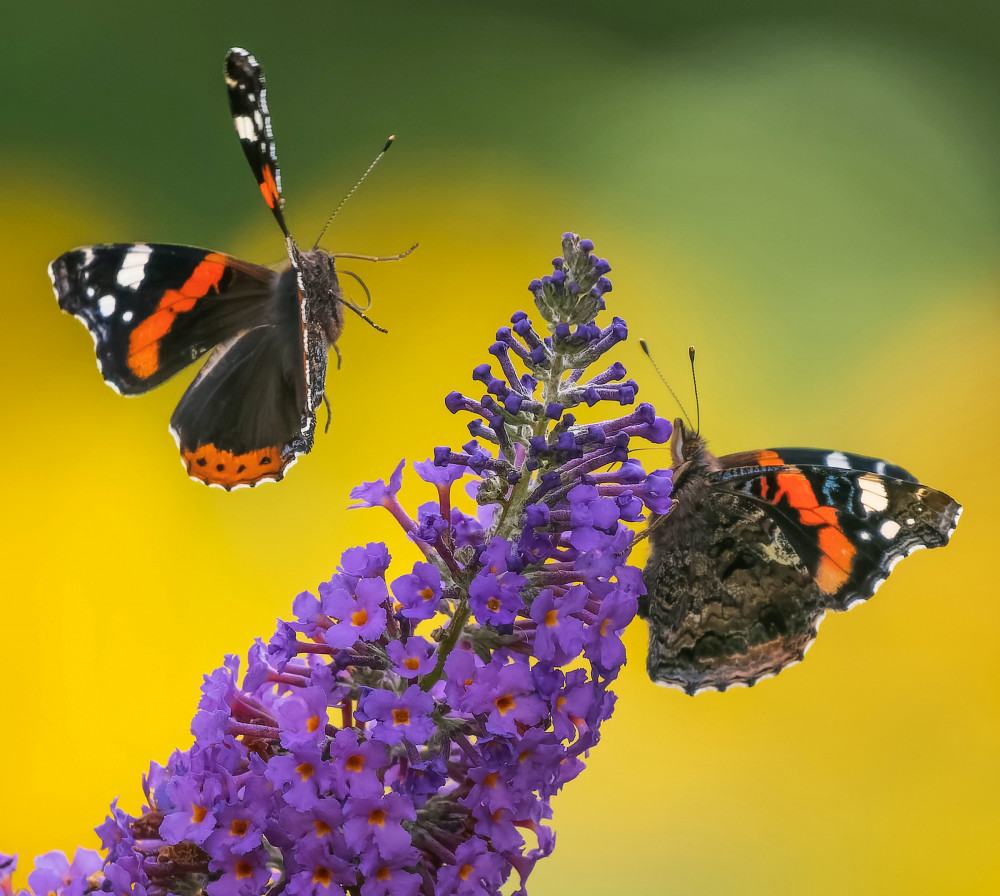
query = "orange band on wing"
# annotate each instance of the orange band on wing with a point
(217, 466)
(144, 340)
(836, 550)
(769, 458)
(268, 188)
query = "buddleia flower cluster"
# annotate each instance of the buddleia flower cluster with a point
(404, 734)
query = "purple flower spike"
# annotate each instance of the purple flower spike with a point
(399, 740)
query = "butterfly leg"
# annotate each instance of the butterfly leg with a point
(645, 533)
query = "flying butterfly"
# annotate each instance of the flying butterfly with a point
(153, 309)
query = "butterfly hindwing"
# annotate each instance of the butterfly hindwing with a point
(153, 308)
(728, 601)
(247, 416)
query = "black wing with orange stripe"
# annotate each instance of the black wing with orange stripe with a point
(248, 104)
(152, 309)
(759, 546)
(849, 524)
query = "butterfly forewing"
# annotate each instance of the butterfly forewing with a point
(849, 525)
(248, 103)
(153, 308)
(814, 457)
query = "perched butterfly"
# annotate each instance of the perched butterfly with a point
(758, 546)
(153, 309)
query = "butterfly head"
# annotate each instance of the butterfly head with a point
(686, 446)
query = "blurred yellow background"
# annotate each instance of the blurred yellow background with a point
(806, 191)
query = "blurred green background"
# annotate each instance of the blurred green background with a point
(806, 191)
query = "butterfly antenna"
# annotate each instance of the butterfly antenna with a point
(656, 367)
(694, 380)
(351, 192)
(360, 312)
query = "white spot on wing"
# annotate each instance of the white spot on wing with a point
(133, 269)
(126, 316)
(838, 459)
(874, 498)
(106, 305)
(245, 128)
(889, 529)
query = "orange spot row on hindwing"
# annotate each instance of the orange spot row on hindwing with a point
(221, 467)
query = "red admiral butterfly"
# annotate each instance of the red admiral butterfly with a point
(758, 546)
(153, 309)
